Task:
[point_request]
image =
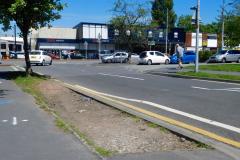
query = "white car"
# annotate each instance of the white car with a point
(116, 57)
(153, 57)
(40, 57)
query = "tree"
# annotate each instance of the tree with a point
(232, 29)
(129, 16)
(29, 14)
(184, 21)
(159, 13)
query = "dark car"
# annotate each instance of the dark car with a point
(76, 56)
(188, 57)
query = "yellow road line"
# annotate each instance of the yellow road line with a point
(166, 119)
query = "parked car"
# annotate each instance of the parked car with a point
(40, 57)
(153, 57)
(54, 56)
(12, 55)
(135, 58)
(105, 53)
(188, 57)
(226, 56)
(20, 55)
(77, 56)
(116, 57)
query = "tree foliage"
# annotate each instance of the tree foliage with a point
(29, 14)
(232, 29)
(159, 13)
(132, 17)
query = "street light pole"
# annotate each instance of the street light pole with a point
(166, 47)
(15, 39)
(99, 46)
(197, 36)
(223, 24)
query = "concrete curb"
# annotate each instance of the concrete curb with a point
(226, 149)
(190, 77)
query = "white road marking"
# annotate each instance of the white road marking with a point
(14, 121)
(25, 120)
(4, 121)
(112, 75)
(185, 114)
(202, 80)
(224, 89)
(21, 68)
(0, 82)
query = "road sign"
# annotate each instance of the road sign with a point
(151, 43)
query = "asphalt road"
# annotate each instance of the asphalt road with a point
(213, 106)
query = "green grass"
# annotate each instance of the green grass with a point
(219, 67)
(210, 75)
(28, 85)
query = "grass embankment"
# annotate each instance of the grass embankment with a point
(214, 67)
(28, 84)
(219, 67)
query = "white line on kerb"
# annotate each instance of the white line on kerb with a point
(14, 68)
(14, 121)
(224, 89)
(0, 82)
(25, 120)
(4, 121)
(112, 75)
(202, 80)
(192, 116)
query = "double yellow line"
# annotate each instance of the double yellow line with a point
(160, 117)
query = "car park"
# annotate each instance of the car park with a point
(153, 57)
(188, 57)
(40, 57)
(117, 57)
(226, 56)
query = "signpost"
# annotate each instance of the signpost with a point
(86, 48)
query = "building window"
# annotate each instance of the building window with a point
(3, 46)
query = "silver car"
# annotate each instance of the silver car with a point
(117, 57)
(226, 56)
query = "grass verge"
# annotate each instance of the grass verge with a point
(28, 85)
(219, 67)
(210, 75)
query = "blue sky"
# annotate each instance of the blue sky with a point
(99, 11)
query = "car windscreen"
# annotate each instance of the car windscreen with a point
(143, 54)
(222, 52)
(35, 53)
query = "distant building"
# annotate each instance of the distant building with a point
(206, 41)
(7, 45)
(80, 38)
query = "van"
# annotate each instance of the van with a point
(226, 56)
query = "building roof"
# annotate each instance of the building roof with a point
(87, 23)
(18, 39)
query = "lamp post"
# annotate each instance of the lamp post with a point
(128, 33)
(99, 45)
(196, 22)
(150, 36)
(166, 47)
(223, 24)
(86, 48)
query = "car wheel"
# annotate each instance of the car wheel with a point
(50, 62)
(166, 61)
(109, 61)
(224, 60)
(149, 62)
(126, 60)
(43, 63)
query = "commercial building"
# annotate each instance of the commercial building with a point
(7, 45)
(84, 38)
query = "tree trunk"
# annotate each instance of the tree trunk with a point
(26, 51)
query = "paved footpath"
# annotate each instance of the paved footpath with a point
(29, 133)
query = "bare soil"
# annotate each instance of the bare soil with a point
(108, 127)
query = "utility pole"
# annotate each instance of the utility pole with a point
(15, 39)
(197, 36)
(223, 10)
(166, 47)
